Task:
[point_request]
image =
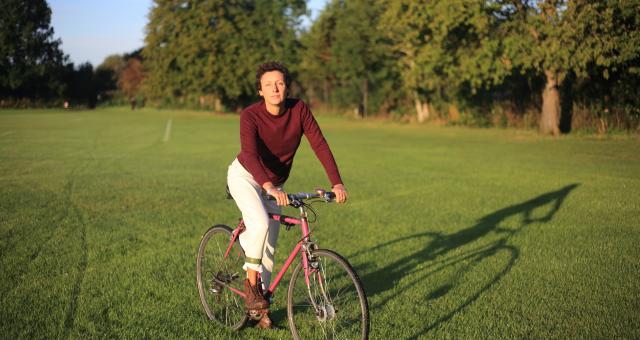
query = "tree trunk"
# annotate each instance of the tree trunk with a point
(550, 117)
(422, 109)
(325, 92)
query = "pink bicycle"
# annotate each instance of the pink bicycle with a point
(325, 297)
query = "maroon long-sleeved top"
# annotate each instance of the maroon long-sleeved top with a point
(268, 143)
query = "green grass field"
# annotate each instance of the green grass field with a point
(455, 232)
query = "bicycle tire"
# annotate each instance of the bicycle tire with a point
(218, 301)
(334, 306)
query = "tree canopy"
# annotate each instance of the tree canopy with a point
(198, 47)
(475, 52)
(31, 61)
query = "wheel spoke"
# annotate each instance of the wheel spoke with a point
(223, 305)
(341, 310)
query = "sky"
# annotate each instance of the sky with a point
(91, 30)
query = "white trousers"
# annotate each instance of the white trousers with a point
(259, 239)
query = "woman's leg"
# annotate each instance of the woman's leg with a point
(247, 195)
(269, 251)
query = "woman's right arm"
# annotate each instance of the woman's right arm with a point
(249, 148)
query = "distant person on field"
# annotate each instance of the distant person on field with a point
(270, 133)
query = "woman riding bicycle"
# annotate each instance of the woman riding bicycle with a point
(270, 133)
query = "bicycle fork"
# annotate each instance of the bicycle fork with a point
(313, 269)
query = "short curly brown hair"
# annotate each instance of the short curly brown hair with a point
(272, 66)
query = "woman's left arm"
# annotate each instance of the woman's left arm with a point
(323, 152)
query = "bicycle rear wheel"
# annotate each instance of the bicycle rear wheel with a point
(215, 274)
(333, 306)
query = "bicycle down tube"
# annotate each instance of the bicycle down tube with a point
(305, 232)
(287, 220)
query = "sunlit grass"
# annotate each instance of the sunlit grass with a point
(455, 232)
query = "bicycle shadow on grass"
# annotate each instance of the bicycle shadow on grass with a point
(442, 252)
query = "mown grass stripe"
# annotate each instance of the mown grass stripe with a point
(70, 318)
(167, 131)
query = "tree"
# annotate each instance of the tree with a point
(198, 47)
(557, 38)
(316, 55)
(31, 62)
(609, 54)
(344, 60)
(107, 74)
(80, 85)
(130, 79)
(355, 49)
(536, 37)
(443, 48)
(409, 40)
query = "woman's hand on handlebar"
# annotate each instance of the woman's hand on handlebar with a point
(341, 193)
(281, 197)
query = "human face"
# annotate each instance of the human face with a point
(273, 89)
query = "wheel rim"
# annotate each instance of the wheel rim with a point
(334, 306)
(216, 275)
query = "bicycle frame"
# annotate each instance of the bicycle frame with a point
(302, 248)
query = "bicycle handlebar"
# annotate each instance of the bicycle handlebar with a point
(328, 196)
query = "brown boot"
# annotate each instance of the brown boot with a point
(253, 299)
(264, 322)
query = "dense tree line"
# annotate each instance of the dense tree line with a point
(555, 64)
(34, 71)
(501, 62)
(479, 60)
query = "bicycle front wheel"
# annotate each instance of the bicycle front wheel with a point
(333, 305)
(216, 276)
